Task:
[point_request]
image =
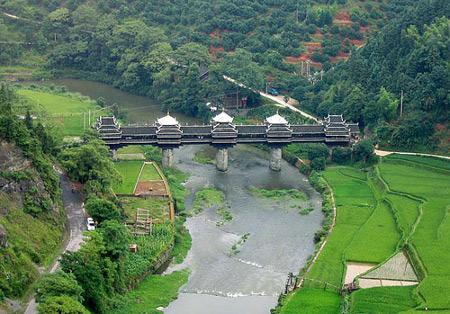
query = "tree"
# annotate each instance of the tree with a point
(318, 163)
(364, 150)
(90, 164)
(190, 53)
(240, 67)
(388, 103)
(61, 305)
(101, 210)
(115, 238)
(57, 284)
(341, 155)
(28, 120)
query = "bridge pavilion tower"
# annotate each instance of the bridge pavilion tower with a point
(168, 134)
(279, 133)
(224, 135)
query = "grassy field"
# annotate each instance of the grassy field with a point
(149, 173)
(431, 238)
(129, 171)
(56, 104)
(68, 113)
(383, 300)
(403, 201)
(154, 291)
(158, 207)
(311, 301)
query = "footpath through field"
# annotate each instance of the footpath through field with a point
(383, 153)
(73, 205)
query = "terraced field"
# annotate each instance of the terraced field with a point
(403, 203)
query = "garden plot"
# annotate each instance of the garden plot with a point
(397, 271)
(150, 182)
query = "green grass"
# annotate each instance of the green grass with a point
(431, 238)
(313, 302)
(158, 207)
(131, 149)
(383, 300)
(421, 160)
(149, 173)
(183, 242)
(129, 171)
(278, 194)
(154, 291)
(206, 198)
(56, 104)
(32, 241)
(226, 215)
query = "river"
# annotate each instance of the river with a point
(279, 241)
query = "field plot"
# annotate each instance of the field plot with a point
(383, 300)
(69, 114)
(158, 207)
(375, 220)
(313, 301)
(431, 238)
(129, 171)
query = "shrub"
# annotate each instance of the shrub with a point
(101, 209)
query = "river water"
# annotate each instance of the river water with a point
(279, 241)
(140, 109)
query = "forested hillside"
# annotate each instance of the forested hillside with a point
(159, 49)
(31, 216)
(410, 56)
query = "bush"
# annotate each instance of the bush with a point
(341, 155)
(101, 209)
(318, 163)
(58, 284)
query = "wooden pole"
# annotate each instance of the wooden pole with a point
(401, 104)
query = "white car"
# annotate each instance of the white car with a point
(90, 224)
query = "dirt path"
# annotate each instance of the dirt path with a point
(383, 153)
(74, 211)
(278, 99)
(333, 223)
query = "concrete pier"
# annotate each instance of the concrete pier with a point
(167, 157)
(114, 154)
(222, 159)
(275, 159)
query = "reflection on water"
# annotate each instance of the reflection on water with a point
(280, 239)
(140, 109)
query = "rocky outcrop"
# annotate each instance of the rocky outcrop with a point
(3, 237)
(19, 179)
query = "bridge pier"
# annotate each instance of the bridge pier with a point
(114, 154)
(222, 159)
(275, 159)
(167, 157)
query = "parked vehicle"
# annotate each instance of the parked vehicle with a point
(272, 91)
(90, 224)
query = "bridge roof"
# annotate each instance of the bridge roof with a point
(167, 120)
(134, 130)
(223, 117)
(196, 129)
(276, 119)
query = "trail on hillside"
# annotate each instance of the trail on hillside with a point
(74, 210)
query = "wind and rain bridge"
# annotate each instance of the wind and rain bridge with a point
(223, 134)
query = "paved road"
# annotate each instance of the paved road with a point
(385, 153)
(278, 99)
(76, 217)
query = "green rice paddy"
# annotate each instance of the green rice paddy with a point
(149, 173)
(129, 171)
(402, 202)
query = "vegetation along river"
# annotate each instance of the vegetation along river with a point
(279, 239)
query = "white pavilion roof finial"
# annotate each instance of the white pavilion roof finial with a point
(223, 117)
(167, 120)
